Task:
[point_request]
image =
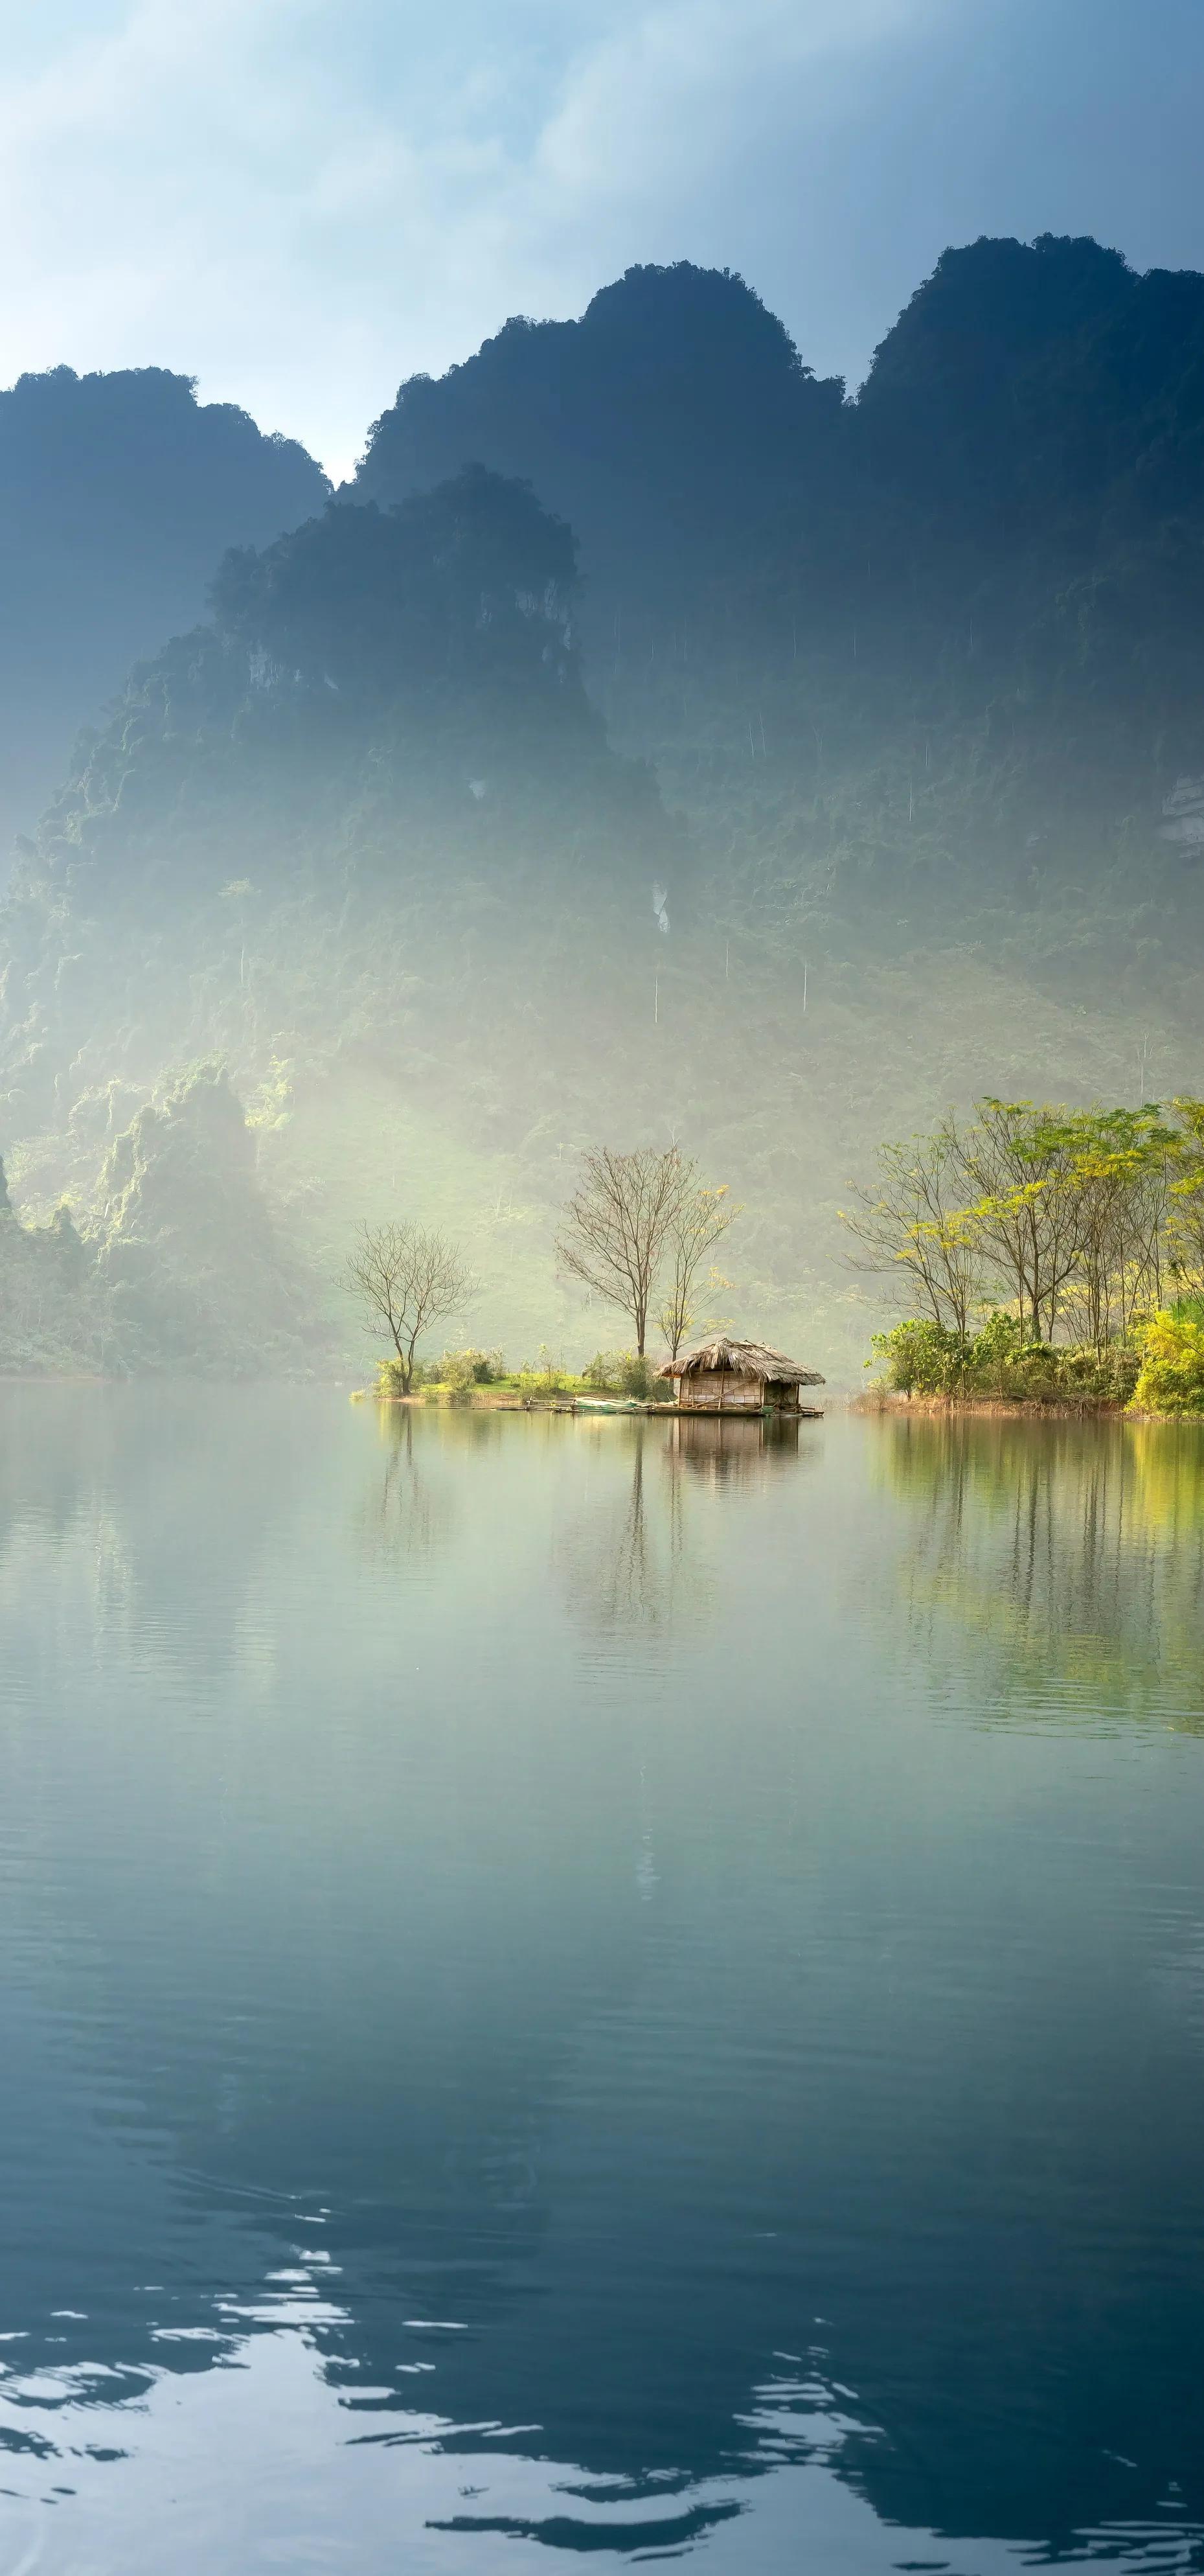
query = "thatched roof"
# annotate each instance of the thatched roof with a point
(747, 1359)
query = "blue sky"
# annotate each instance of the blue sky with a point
(301, 202)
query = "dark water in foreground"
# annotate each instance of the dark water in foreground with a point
(560, 1992)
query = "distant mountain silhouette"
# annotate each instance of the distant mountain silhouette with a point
(1034, 420)
(1043, 378)
(118, 494)
(662, 425)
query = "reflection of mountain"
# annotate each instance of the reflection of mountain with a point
(1069, 1555)
(331, 1967)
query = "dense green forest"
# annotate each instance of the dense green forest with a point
(653, 745)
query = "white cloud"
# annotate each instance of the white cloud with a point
(302, 202)
(661, 100)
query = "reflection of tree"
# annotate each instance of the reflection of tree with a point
(647, 1561)
(1074, 1552)
(629, 1564)
(406, 1505)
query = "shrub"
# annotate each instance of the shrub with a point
(923, 1358)
(625, 1373)
(543, 1377)
(1171, 1379)
(462, 1370)
(602, 1371)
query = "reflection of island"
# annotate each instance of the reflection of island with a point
(1073, 1553)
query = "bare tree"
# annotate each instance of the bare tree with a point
(616, 1227)
(700, 1220)
(407, 1280)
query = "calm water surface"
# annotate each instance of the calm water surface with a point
(571, 1987)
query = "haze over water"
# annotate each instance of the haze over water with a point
(595, 1985)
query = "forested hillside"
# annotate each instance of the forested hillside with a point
(361, 838)
(653, 743)
(118, 495)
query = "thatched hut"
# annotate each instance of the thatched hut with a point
(737, 1377)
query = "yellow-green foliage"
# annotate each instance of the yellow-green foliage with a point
(1172, 1365)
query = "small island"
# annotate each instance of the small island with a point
(635, 1234)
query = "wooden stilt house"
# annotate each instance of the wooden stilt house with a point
(722, 1376)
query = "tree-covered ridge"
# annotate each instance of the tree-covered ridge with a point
(1024, 387)
(407, 659)
(118, 494)
(661, 424)
(1051, 377)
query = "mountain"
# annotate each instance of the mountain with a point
(890, 709)
(663, 425)
(52, 1307)
(118, 495)
(932, 657)
(362, 838)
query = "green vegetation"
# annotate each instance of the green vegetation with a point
(1084, 1221)
(921, 668)
(54, 1313)
(182, 1267)
(1172, 1362)
(921, 1358)
(459, 1376)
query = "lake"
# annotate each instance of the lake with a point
(597, 1986)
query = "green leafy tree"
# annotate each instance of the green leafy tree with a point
(907, 1224)
(1115, 1174)
(1012, 1163)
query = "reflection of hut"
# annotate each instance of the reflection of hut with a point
(738, 1377)
(732, 1447)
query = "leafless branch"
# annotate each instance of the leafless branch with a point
(407, 1279)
